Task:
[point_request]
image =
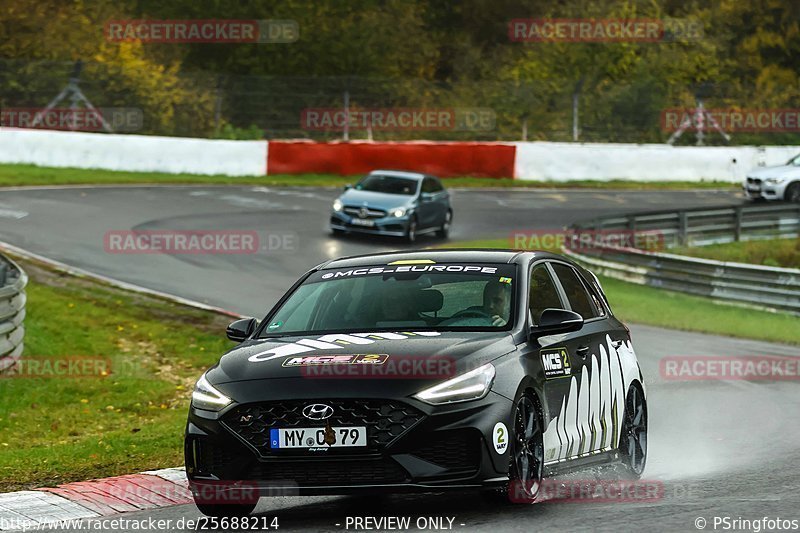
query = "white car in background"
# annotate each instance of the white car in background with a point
(774, 183)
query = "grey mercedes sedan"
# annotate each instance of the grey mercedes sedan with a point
(393, 203)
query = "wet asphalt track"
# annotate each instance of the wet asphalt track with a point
(718, 448)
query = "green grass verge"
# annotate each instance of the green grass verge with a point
(55, 430)
(675, 310)
(19, 175)
(771, 252)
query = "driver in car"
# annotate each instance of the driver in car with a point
(496, 298)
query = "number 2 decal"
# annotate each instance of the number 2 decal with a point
(499, 433)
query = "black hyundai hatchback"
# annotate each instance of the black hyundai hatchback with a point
(429, 370)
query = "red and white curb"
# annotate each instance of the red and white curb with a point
(95, 498)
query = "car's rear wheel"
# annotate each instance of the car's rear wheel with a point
(217, 509)
(444, 231)
(411, 232)
(793, 193)
(527, 452)
(633, 438)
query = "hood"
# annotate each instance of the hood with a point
(780, 171)
(377, 200)
(384, 357)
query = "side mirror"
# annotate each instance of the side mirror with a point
(239, 330)
(425, 197)
(554, 321)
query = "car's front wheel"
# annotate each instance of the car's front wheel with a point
(411, 232)
(221, 510)
(793, 193)
(633, 438)
(527, 451)
(444, 230)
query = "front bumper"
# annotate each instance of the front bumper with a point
(389, 226)
(431, 449)
(763, 191)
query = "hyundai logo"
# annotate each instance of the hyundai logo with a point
(317, 411)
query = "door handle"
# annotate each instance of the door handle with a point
(582, 351)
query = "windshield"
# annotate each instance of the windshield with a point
(388, 184)
(399, 297)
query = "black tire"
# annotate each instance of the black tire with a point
(633, 437)
(411, 232)
(792, 193)
(222, 510)
(526, 451)
(444, 231)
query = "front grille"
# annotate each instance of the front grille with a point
(754, 181)
(371, 213)
(458, 450)
(314, 472)
(385, 420)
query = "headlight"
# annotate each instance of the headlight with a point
(337, 205)
(205, 396)
(473, 385)
(773, 181)
(399, 212)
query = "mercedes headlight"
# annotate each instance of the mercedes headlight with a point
(473, 385)
(206, 397)
(337, 205)
(399, 212)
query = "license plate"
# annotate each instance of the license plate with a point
(754, 188)
(362, 222)
(336, 437)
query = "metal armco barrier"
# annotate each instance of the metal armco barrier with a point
(772, 288)
(12, 311)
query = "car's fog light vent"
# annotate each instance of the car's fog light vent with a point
(457, 450)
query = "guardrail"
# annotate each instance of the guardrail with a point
(697, 227)
(772, 288)
(12, 311)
